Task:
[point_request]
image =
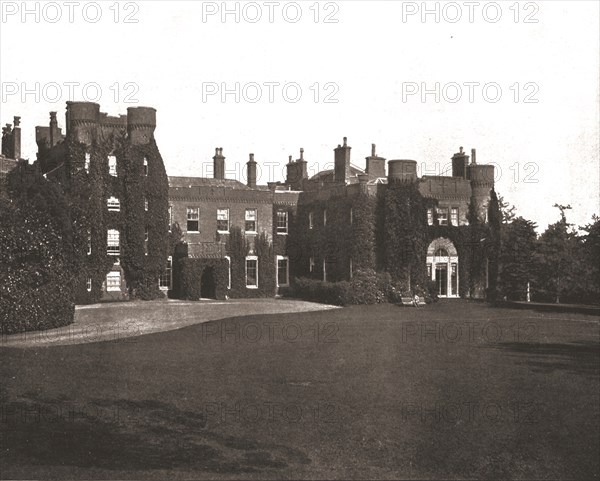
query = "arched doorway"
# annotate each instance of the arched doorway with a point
(208, 288)
(442, 267)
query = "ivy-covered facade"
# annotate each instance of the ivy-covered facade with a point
(239, 240)
(117, 187)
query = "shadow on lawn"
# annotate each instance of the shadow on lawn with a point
(129, 435)
(576, 358)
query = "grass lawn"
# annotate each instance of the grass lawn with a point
(455, 390)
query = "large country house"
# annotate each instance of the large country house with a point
(248, 240)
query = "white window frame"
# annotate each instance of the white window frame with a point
(442, 216)
(453, 211)
(86, 162)
(251, 220)
(88, 284)
(116, 234)
(287, 271)
(113, 204)
(146, 204)
(251, 258)
(146, 238)
(194, 211)
(168, 272)
(112, 165)
(430, 216)
(145, 167)
(113, 275)
(277, 227)
(311, 264)
(170, 217)
(228, 272)
(219, 212)
(89, 242)
(311, 223)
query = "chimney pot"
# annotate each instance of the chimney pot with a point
(17, 121)
(345, 141)
(373, 150)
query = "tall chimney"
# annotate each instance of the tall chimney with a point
(473, 156)
(17, 138)
(341, 172)
(54, 130)
(459, 164)
(375, 164)
(219, 164)
(251, 172)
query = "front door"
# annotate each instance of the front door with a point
(441, 279)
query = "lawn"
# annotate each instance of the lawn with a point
(454, 390)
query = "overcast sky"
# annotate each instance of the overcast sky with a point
(517, 81)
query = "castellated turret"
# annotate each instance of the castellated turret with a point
(141, 122)
(82, 121)
(402, 170)
(482, 183)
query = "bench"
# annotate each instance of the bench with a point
(408, 301)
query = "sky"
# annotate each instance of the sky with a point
(518, 81)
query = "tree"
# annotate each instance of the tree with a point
(518, 264)
(507, 210)
(557, 247)
(36, 254)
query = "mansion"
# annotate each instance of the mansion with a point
(325, 227)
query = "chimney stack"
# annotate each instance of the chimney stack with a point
(251, 172)
(341, 172)
(219, 164)
(375, 164)
(460, 161)
(473, 156)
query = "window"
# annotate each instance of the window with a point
(310, 220)
(88, 284)
(324, 270)
(193, 219)
(282, 271)
(442, 215)
(113, 281)
(223, 220)
(250, 220)
(113, 204)
(86, 164)
(441, 252)
(282, 222)
(165, 280)
(454, 215)
(170, 217)
(146, 204)
(428, 271)
(145, 166)
(324, 216)
(311, 264)
(351, 216)
(89, 242)
(430, 216)
(112, 165)
(351, 268)
(252, 272)
(146, 241)
(113, 248)
(228, 272)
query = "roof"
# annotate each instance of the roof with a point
(206, 182)
(354, 171)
